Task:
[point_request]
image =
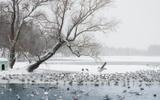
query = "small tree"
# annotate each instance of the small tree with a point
(70, 21)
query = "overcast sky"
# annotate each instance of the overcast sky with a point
(139, 25)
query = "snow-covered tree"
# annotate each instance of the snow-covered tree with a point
(62, 23)
(71, 21)
(18, 13)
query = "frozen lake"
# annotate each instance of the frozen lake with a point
(119, 64)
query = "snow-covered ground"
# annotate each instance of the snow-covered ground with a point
(114, 64)
(89, 65)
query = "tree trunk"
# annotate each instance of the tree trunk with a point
(12, 35)
(12, 58)
(35, 65)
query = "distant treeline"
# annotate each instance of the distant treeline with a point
(153, 50)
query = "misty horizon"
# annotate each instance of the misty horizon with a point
(153, 50)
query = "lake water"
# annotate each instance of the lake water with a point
(86, 92)
(38, 92)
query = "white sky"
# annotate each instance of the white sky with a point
(139, 25)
